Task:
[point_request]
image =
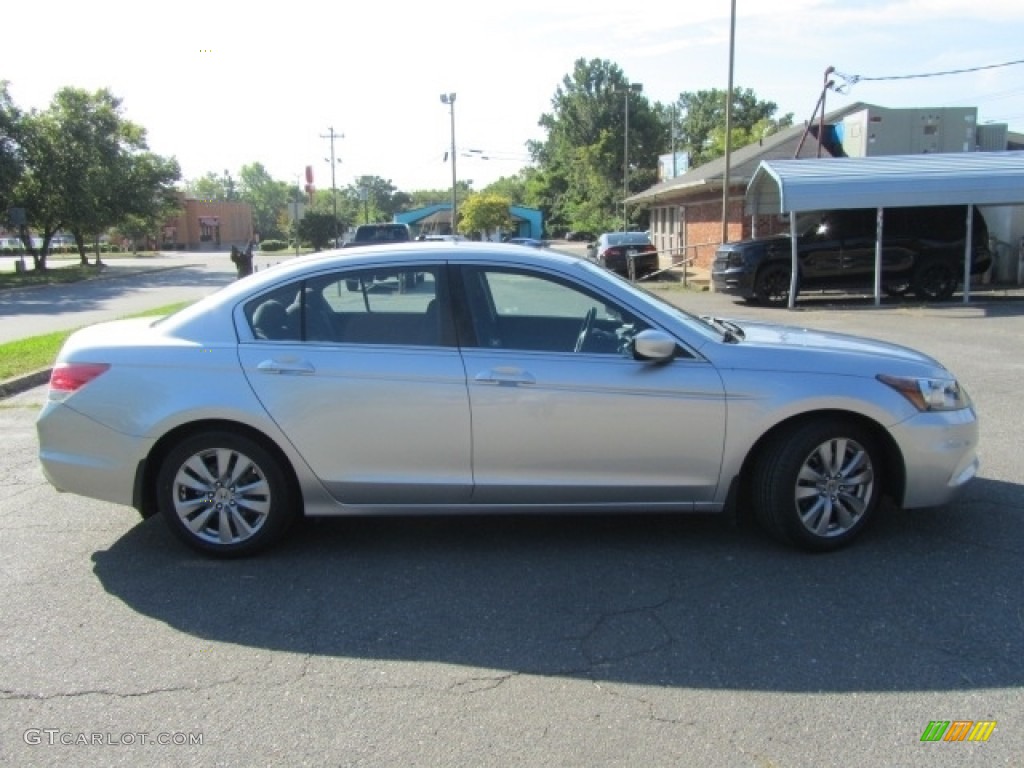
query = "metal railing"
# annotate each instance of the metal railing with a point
(679, 258)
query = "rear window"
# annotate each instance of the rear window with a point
(382, 233)
(628, 238)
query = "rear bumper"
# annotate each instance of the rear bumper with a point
(644, 264)
(81, 456)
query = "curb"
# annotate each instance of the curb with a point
(19, 384)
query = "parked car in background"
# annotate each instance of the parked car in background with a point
(579, 237)
(922, 253)
(489, 378)
(377, 234)
(530, 241)
(443, 238)
(630, 254)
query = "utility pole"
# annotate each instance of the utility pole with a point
(728, 126)
(635, 88)
(334, 189)
(449, 99)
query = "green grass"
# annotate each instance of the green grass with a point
(18, 358)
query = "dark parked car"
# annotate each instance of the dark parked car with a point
(922, 253)
(579, 237)
(530, 241)
(630, 254)
(379, 234)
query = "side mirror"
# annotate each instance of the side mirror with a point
(654, 346)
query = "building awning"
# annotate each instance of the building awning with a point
(889, 181)
(209, 221)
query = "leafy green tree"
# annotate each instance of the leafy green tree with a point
(318, 228)
(214, 186)
(511, 187)
(11, 159)
(702, 121)
(39, 190)
(484, 212)
(585, 150)
(378, 197)
(268, 198)
(87, 169)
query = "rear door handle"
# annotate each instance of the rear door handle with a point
(505, 376)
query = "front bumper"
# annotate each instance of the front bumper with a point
(735, 282)
(940, 456)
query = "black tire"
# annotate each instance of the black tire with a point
(817, 484)
(935, 281)
(899, 287)
(771, 286)
(224, 494)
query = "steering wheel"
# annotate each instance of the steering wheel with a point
(585, 329)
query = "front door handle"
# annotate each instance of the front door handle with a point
(505, 376)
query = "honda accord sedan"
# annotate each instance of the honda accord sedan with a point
(476, 377)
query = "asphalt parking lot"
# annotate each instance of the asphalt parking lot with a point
(569, 641)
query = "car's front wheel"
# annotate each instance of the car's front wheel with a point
(816, 484)
(772, 284)
(224, 494)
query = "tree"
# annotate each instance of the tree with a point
(11, 159)
(39, 188)
(318, 228)
(484, 212)
(582, 161)
(268, 198)
(87, 169)
(214, 186)
(702, 122)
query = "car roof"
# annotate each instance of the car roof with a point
(409, 253)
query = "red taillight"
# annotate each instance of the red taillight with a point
(69, 377)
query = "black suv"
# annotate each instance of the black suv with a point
(922, 253)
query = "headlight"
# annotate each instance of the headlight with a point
(929, 394)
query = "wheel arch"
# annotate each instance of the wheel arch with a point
(144, 495)
(893, 476)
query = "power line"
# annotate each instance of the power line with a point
(854, 79)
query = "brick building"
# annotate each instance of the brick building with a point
(208, 225)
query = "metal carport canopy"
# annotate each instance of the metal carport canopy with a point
(891, 181)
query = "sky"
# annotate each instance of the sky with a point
(221, 85)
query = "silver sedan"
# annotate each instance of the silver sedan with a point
(476, 377)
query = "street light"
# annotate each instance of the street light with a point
(334, 189)
(449, 99)
(635, 88)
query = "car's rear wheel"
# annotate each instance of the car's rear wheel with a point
(224, 494)
(817, 484)
(772, 284)
(935, 281)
